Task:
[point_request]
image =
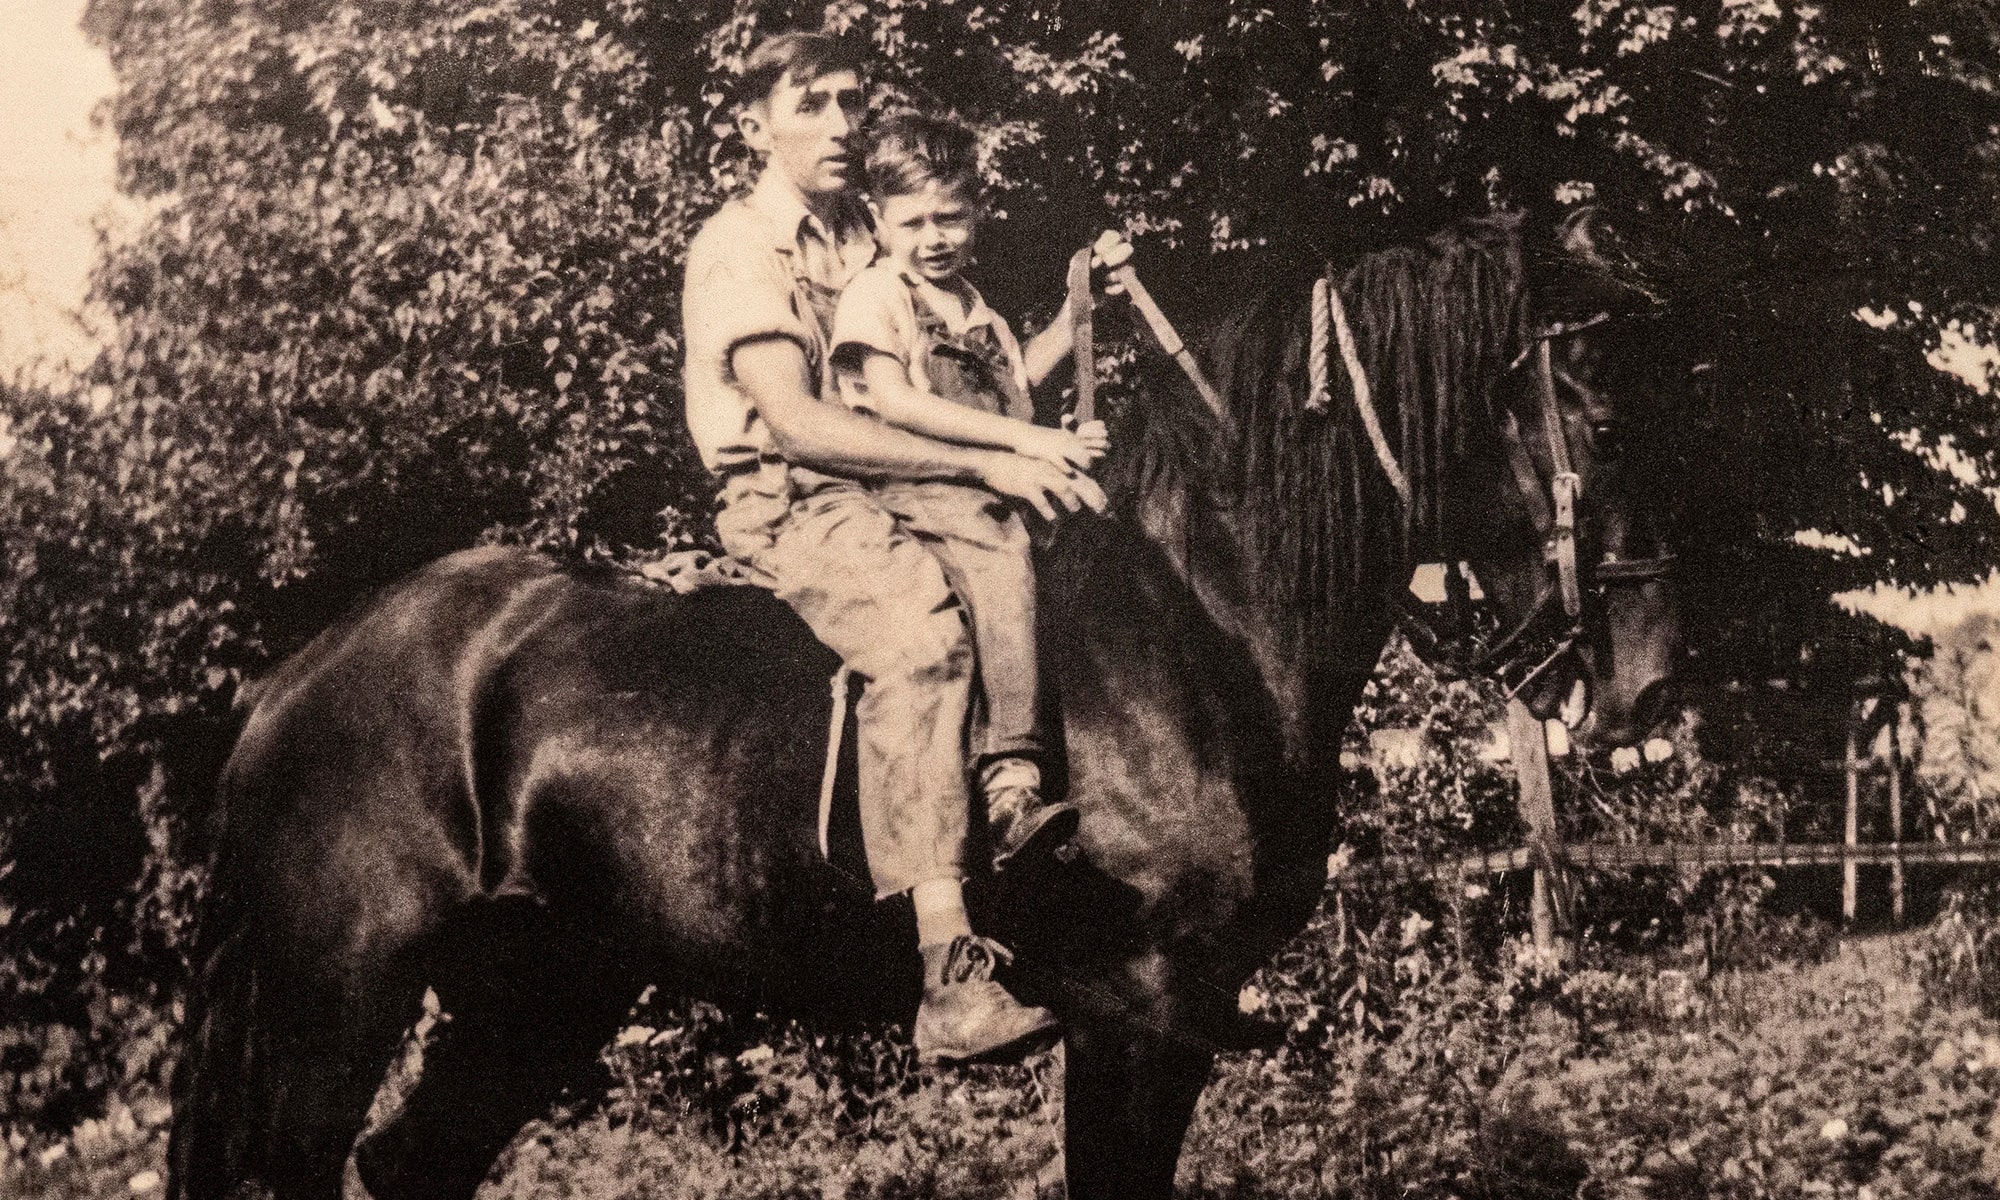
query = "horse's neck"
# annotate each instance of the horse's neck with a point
(1313, 675)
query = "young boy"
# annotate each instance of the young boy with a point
(914, 343)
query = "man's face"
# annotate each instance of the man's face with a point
(803, 130)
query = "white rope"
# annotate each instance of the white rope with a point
(1317, 396)
(1329, 311)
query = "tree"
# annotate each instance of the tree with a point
(1957, 695)
(411, 279)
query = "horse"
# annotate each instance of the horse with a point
(536, 788)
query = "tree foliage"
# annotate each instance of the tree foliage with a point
(1956, 695)
(411, 278)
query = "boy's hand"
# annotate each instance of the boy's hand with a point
(1110, 251)
(1062, 447)
(1093, 434)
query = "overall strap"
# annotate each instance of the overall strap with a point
(974, 360)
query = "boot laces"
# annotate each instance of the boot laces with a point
(1013, 801)
(972, 957)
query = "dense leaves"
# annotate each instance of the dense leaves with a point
(411, 273)
(410, 279)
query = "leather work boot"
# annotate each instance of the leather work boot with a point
(1018, 819)
(966, 1014)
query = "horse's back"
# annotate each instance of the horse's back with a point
(347, 810)
(658, 764)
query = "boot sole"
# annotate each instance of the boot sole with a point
(1031, 1042)
(1059, 825)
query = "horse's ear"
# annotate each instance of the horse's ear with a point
(1601, 268)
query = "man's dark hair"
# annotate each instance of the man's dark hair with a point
(909, 151)
(801, 55)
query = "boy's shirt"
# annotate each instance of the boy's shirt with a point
(880, 311)
(761, 267)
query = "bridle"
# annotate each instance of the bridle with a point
(1557, 620)
(1525, 651)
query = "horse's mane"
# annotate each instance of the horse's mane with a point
(1301, 490)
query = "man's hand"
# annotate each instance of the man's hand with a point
(1063, 447)
(1043, 485)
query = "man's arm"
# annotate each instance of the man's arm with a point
(830, 437)
(893, 398)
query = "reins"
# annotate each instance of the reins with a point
(1083, 346)
(1084, 349)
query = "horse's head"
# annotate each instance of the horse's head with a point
(1422, 416)
(1570, 554)
(1578, 578)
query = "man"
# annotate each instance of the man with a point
(763, 276)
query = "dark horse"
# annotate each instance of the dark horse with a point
(536, 789)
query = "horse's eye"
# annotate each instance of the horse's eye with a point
(1604, 439)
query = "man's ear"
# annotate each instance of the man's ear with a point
(874, 212)
(753, 121)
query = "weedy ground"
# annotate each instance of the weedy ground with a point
(1861, 1070)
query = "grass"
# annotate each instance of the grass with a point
(1846, 1078)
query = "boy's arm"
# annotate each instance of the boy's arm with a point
(1048, 349)
(830, 437)
(885, 389)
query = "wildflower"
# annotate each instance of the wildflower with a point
(1945, 1057)
(1834, 1130)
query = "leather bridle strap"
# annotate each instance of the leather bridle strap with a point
(1564, 486)
(1169, 338)
(1084, 344)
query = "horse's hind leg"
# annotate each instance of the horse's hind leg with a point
(531, 1002)
(290, 1038)
(1128, 1095)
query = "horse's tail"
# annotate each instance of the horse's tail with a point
(217, 1136)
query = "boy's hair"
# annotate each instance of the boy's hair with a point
(800, 55)
(909, 151)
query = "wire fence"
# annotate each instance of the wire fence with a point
(1684, 855)
(1551, 859)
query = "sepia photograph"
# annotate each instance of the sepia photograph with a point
(1000, 599)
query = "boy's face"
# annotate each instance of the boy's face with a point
(928, 233)
(803, 129)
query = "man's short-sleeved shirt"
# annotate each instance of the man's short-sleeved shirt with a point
(762, 267)
(878, 312)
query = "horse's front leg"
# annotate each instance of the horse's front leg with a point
(1129, 1091)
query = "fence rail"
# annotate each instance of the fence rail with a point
(1696, 855)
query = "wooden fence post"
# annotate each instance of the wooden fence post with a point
(1548, 910)
(1896, 812)
(1849, 869)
